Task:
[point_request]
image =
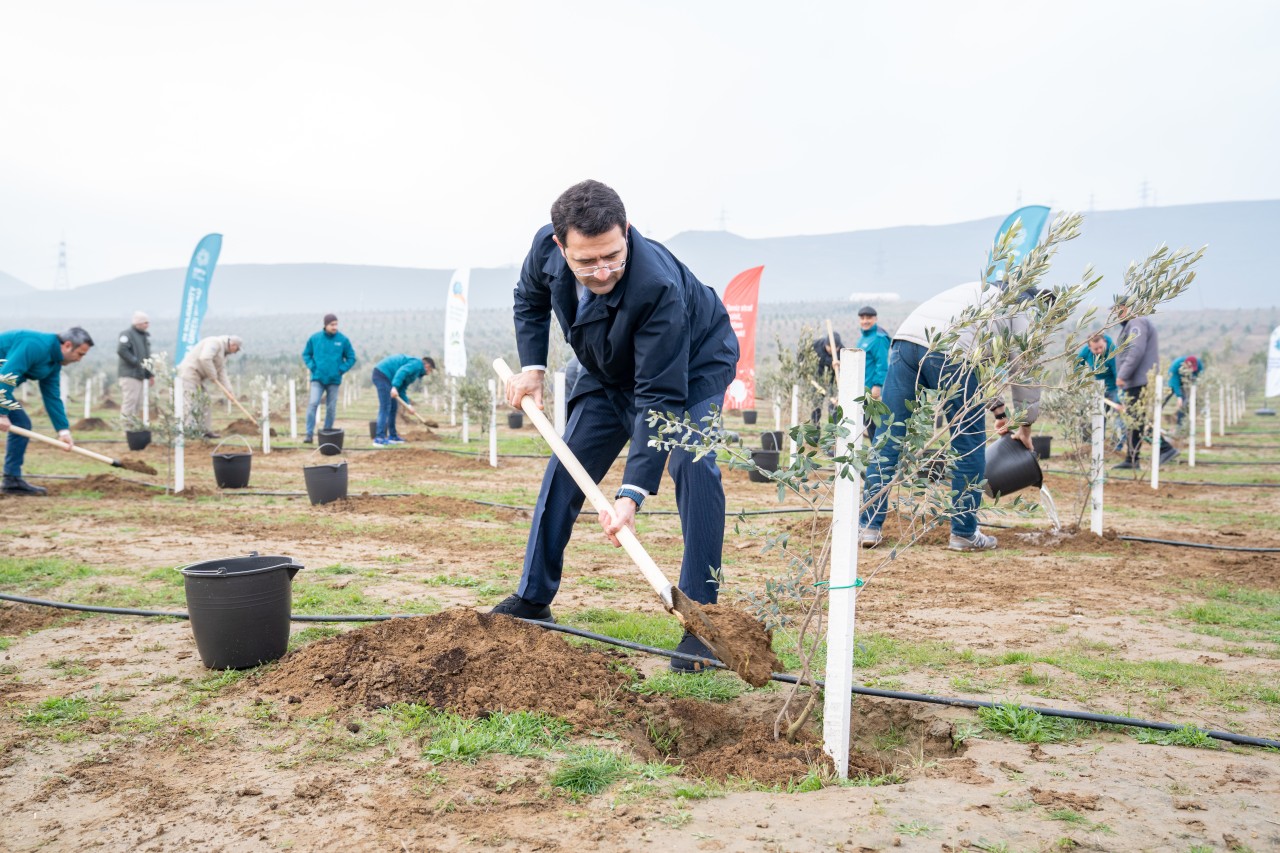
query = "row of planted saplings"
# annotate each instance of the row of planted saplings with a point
(326, 481)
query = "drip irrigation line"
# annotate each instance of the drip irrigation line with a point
(1175, 482)
(709, 663)
(1204, 545)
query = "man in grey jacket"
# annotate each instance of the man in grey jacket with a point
(1139, 353)
(134, 348)
(915, 363)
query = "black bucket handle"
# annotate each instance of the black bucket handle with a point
(341, 458)
(187, 571)
(224, 441)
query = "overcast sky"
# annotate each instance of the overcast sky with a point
(438, 134)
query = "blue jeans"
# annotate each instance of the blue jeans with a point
(330, 393)
(912, 367)
(386, 406)
(15, 449)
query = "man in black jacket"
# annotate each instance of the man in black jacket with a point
(649, 336)
(134, 348)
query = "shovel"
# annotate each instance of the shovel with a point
(232, 398)
(128, 464)
(753, 664)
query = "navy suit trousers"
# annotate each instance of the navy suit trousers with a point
(596, 435)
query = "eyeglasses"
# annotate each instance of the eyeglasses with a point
(587, 272)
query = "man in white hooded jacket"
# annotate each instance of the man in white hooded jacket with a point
(912, 367)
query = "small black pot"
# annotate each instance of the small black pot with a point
(763, 459)
(515, 420)
(748, 416)
(771, 440)
(329, 441)
(138, 438)
(1042, 443)
(1011, 467)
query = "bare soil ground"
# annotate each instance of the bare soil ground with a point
(114, 736)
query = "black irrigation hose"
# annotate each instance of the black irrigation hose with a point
(1175, 482)
(1206, 546)
(955, 702)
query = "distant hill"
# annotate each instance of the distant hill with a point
(11, 287)
(912, 261)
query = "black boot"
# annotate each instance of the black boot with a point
(691, 645)
(19, 486)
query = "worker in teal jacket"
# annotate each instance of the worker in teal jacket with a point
(875, 343)
(328, 355)
(40, 356)
(392, 378)
(1182, 374)
(1097, 356)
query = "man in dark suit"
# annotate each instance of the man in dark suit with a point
(649, 336)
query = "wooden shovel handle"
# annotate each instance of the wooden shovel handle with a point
(62, 445)
(232, 398)
(630, 543)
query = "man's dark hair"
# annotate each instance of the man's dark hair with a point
(590, 208)
(429, 361)
(77, 336)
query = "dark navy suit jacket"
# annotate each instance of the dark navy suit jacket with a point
(660, 339)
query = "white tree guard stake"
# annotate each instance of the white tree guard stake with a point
(266, 422)
(453, 403)
(493, 424)
(88, 396)
(1221, 411)
(795, 418)
(1097, 469)
(1155, 434)
(179, 478)
(837, 696)
(62, 393)
(562, 405)
(146, 403)
(1208, 424)
(1191, 430)
(293, 409)
(466, 425)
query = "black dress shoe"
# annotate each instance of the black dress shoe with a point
(521, 608)
(1126, 465)
(19, 486)
(211, 435)
(691, 645)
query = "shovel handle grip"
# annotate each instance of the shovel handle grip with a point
(62, 445)
(630, 543)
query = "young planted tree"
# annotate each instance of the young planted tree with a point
(166, 427)
(984, 351)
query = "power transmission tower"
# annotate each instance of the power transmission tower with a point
(1146, 188)
(723, 219)
(61, 279)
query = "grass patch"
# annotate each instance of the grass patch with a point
(58, 712)
(1021, 724)
(589, 770)
(40, 573)
(309, 635)
(449, 737)
(644, 628)
(708, 686)
(1188, 735)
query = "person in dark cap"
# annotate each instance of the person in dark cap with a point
(875, 343)
(328, 355)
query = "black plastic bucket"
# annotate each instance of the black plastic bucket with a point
(1042, 443)
(329, 441)
(766, 459)
(1011, 467)
(240, 609)
(748, 416)
(771, 440)
(326, 483)
(231, 470)
(515, 420)
(138, 439)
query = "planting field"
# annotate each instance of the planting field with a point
(456, 730)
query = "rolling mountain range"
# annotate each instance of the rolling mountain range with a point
(910, 261)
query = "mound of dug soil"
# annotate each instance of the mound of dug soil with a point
(436, 506)
(472, 664)
(244, 426)
(89, 424)
(110, 486)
